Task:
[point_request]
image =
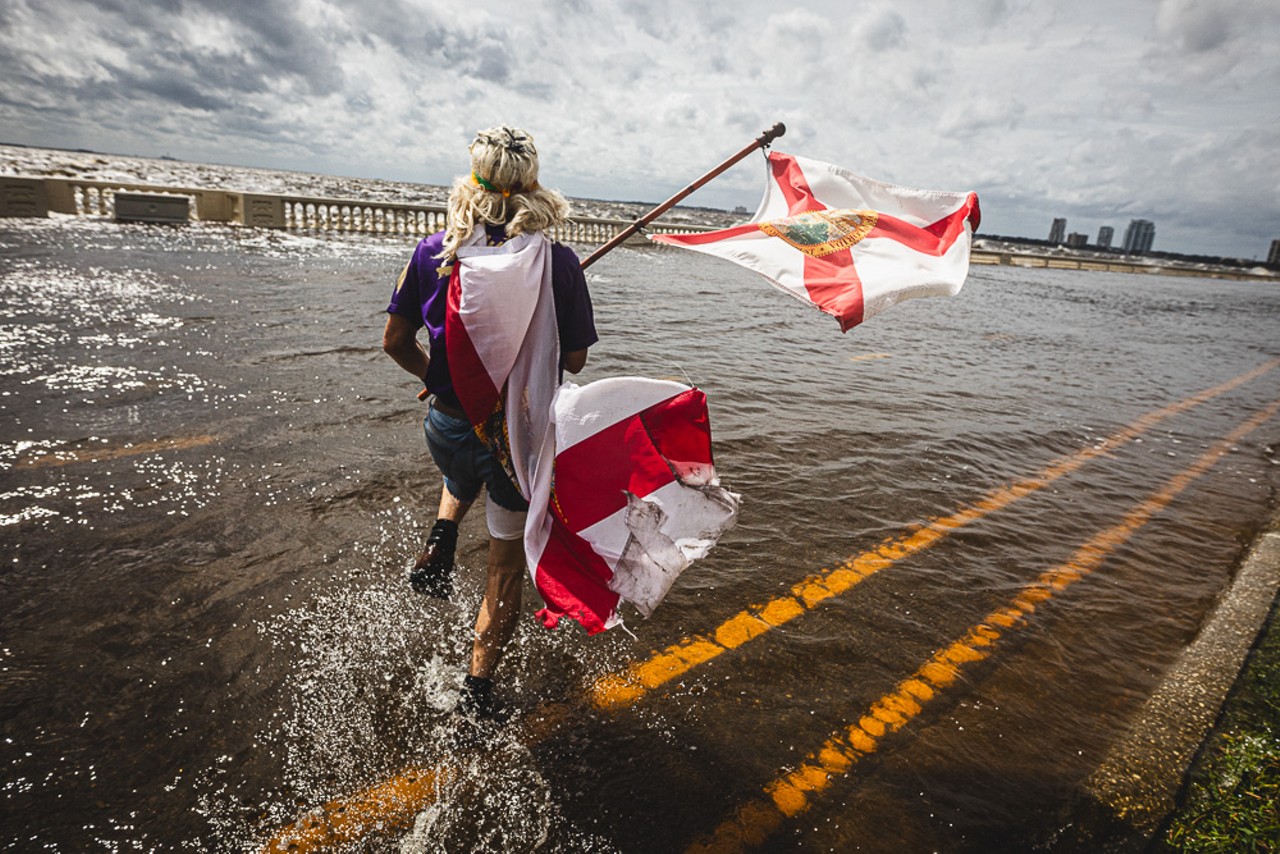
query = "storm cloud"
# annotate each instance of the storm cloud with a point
(1094, 111)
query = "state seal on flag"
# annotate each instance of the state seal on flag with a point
(820, 233)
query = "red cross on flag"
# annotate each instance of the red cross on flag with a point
(848, 245)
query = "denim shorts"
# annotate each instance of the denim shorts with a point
(467, 464)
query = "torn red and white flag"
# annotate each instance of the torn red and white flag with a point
(618, 473)
(633, 500)
(848, 245)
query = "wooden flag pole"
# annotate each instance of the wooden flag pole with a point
(760, 142)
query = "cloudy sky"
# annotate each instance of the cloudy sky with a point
(1101, 111)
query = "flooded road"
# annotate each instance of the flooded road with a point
(977, 531)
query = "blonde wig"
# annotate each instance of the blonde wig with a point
(502, 189)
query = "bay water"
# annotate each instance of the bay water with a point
(214, 480)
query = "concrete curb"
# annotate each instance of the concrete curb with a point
(1139, 781)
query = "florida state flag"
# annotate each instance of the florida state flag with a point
(848, 245)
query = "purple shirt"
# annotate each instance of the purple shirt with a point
(422, 293)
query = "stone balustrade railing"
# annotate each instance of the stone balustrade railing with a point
(36, 196)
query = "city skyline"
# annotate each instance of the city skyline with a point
(1139, 236)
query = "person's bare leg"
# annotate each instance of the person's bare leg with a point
(495, 626)
(500, 610)
(451, 508)
(432, 574)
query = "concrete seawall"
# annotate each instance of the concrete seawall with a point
(1066, 262)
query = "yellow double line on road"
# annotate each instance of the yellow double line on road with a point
(395, 802)
(618, 690)
(790, 794)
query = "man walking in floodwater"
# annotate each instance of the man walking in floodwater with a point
(492, 247)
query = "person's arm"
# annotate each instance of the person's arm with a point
(574, 362)
(400, 342)
(574, 315)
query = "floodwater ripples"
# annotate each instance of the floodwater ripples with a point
(213, 483)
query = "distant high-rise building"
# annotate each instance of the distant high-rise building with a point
(1273, 257)
(1076, 240)
(1058, 233)
(1104, 236)
(1139, 236)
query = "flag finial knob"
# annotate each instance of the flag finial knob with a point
(771, 134)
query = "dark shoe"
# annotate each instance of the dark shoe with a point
(476, 699)
(477, 717)
(477, 703)
(432, 574)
